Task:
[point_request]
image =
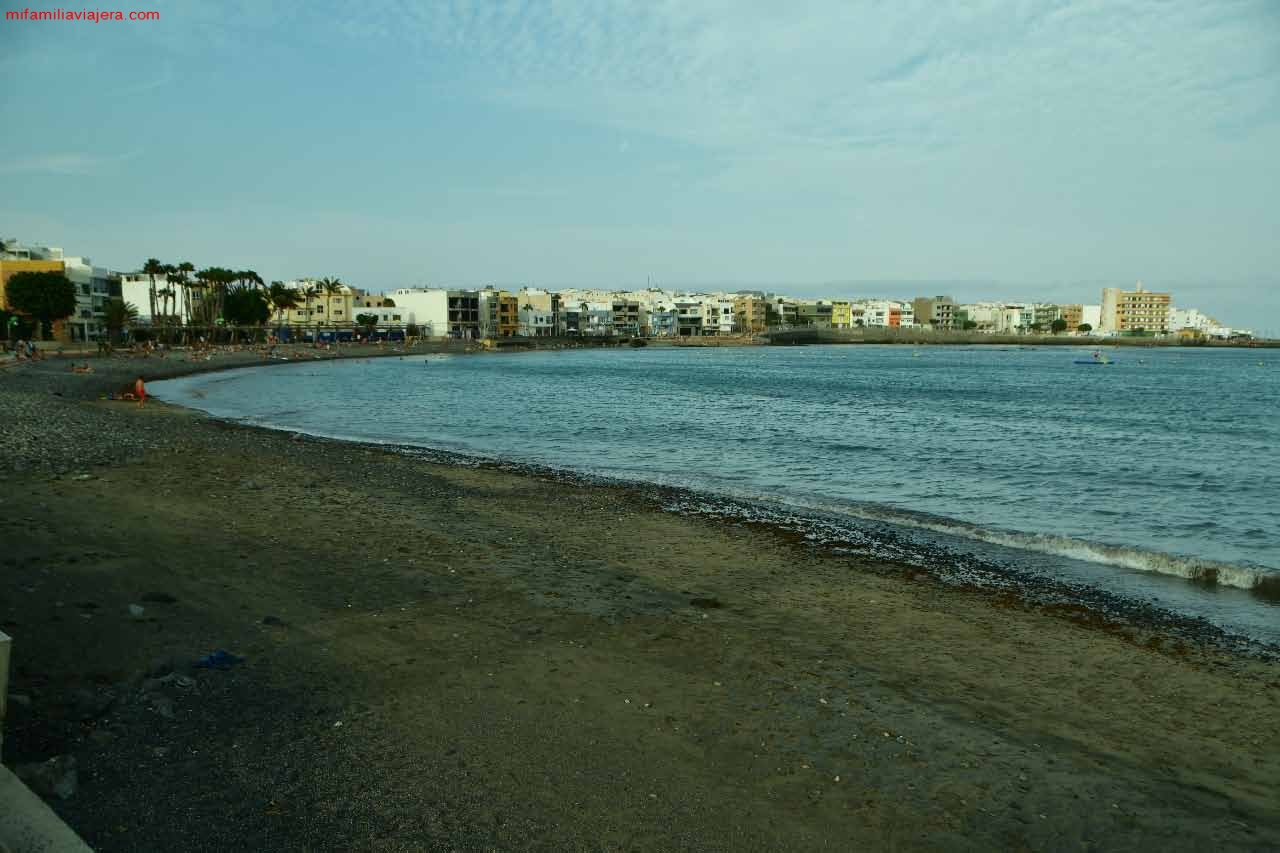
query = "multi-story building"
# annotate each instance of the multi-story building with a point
(935, 311)
(688, 315)
(841, 314)
(887, 313)
(814, 312)
(361, 299)
(534, 302)
(749, 313)
(438, 312)
(780, 311)
(717, 315)
(94, 286)
(318, 306)
(499, 313)
(1073, 315)
(1190, 318)
(1044, 313)
(1133, 311)
(587, 318)
(536, 322)
(628, 316)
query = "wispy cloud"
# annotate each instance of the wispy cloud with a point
(67, 163)
(743, 76)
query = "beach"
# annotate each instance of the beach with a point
(473, 657)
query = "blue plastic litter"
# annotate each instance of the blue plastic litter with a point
(221, 659)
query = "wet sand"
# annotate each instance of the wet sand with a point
(519, 663)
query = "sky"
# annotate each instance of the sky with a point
(985, 149)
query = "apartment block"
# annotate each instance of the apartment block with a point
(750, 313)
(1129, 311)
(935, 311)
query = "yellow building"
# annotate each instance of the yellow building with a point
(1125, 311)
(841, 314)
(10, 268)
(508, 315)
(749, 314)
(1073, 314)
(318, 307)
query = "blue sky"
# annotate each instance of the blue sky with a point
(1003, 149)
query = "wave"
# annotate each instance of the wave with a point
(1257, 579)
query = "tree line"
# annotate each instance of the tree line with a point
(181, 298)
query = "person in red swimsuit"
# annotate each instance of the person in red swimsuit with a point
(140, 391)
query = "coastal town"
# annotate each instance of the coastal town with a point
(112, 307)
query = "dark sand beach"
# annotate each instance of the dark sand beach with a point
(447, 657)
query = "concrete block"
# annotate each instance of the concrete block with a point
(27, 825)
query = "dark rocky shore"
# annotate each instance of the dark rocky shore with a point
(457, 657)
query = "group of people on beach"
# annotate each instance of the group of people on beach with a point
(23, 349)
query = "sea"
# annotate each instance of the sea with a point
(1154, 479)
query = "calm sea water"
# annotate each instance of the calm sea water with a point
(1135, 477)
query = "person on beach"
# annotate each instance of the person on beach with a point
(140, 391)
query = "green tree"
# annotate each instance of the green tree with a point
(1036, 327)
(245, 305)
(1084, 327)
(282, 298)
(44, 296)
(118, 316)
(970, 324)
(367, 320)
(1058, 326)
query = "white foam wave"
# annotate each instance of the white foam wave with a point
(1256, 578)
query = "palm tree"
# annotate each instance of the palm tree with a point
(182, 277)
(331, 286)
(153, 268)
(282, 298)
(309, 291)
(119, 315)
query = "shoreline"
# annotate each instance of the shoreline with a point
(1124, 616)
(820, 530)
(443, 655)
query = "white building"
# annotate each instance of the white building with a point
(1190, 318)
(171, 299)
(94, 286)
(427, 308)
(1092, 314)
(985, 314)
(886, 313)
(717, 315)
(386, 316)
(536, 322)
